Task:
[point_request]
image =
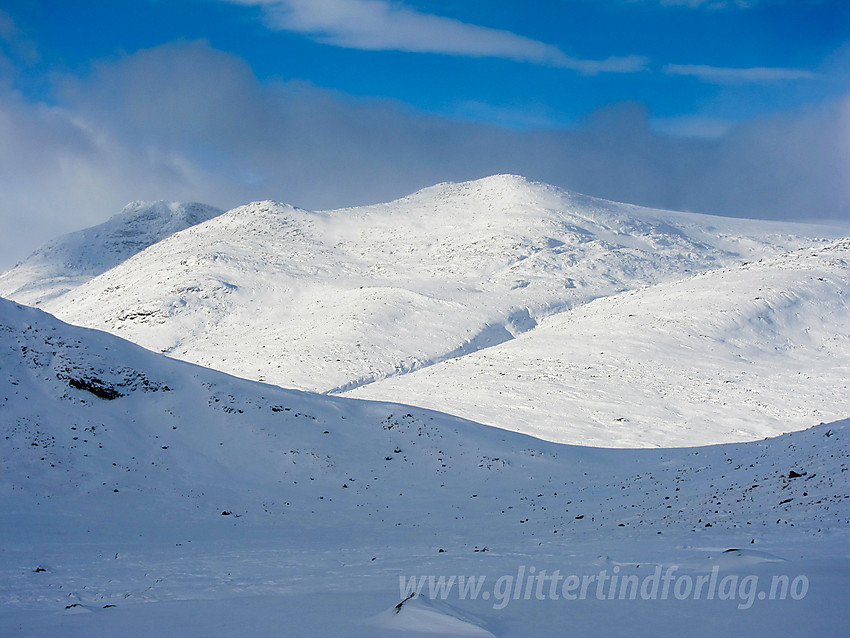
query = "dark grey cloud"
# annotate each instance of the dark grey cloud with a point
(184, 121)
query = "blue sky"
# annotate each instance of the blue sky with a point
(736, 107)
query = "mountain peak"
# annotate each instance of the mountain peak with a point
(333, 300)
(501, 185)
(266, 206)
(508, 180)
(71, 260)
(190, 213)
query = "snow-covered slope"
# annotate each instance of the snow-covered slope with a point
(733, 354)
(73, 259)
(135, 487)
(334, 300)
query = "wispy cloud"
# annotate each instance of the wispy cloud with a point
(705, 4)
(381, 25)
(8, 28)
(13, 41)
(727, 75)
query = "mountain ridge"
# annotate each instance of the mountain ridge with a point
(146, 494)
(336, 301)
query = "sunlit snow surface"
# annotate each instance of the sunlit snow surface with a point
(493, 278)
(732, 354)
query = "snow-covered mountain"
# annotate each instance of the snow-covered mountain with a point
(736, 353)
(331, 301)
(71, 260)
(149, 495)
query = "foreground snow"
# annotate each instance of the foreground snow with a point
(144, 496)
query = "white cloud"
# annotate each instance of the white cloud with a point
(381, 25)
(726, 75)
(184, 121)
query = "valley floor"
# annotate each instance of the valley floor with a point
(230, 582)
(748, 549)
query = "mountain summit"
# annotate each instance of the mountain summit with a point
(71, 260)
